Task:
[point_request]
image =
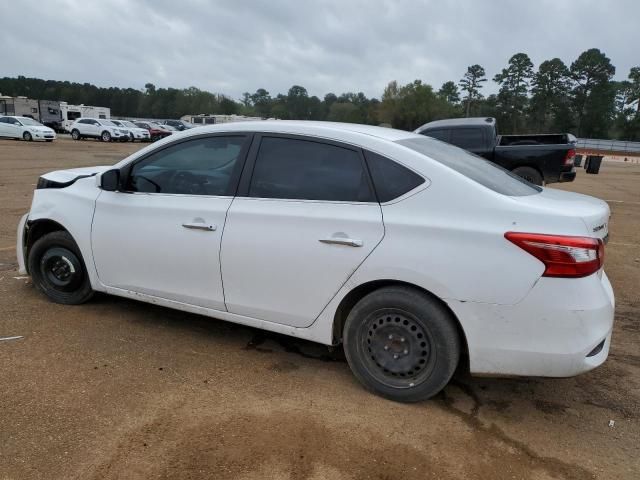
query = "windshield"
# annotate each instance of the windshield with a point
(472, 166)
(108, 123)
(156, 125)
(117, 122)
(126, 123)
(30, 122)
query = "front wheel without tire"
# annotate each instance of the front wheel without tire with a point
(57, 269)
(401, 344)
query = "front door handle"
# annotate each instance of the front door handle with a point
(200, 226)
(350, 242)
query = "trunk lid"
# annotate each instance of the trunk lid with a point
(592, 211)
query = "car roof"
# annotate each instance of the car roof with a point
(458, 122)
(305, 127)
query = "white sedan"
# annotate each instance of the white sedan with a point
(135, 132)
(412, 253)
(25, 128)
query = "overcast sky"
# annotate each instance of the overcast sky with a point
(326, 46)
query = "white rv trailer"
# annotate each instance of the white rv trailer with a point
(72, 112)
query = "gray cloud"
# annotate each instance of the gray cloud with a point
(326, 46)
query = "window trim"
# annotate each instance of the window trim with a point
(247, 173)
(234, 180)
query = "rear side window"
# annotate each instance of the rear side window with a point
(467, 138)
(390, 179)
(472, 166)
(308, 170)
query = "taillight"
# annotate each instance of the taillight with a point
(563, 256)
(570, 157)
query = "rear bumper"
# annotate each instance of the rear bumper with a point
(567, 176)
(20, 244)
(561, 329)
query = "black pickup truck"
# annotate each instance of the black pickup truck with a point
(541, 159)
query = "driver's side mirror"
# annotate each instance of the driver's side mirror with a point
(110, 180)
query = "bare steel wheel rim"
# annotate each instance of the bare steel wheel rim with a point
(396, 348)
(61, 269)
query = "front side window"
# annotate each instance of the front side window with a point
(308, 170)
(202, 166)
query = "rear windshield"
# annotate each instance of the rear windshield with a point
(472, 166)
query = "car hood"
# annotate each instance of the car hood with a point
(593, 211)
(64, 176)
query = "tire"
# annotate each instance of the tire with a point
(401, 344)
(75, 134)
(26, 136)
(530, 174)
(58, 270)
(105, 136)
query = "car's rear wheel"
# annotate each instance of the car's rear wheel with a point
(401, 344)
(27, 136)
(530, 174)
(75, 134)
(106, 136)
(57, 269)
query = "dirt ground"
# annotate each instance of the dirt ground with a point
(119, 389)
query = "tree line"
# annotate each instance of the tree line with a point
(582, 98)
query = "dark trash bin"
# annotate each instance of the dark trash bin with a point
(593, 164)
(577, 161)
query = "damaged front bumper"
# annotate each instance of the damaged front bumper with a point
(21, 245)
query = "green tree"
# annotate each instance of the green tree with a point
(449, 91)
(471, 83)
(593, 94)
(412, 105)
(514, 90)
(297, 103)
(262, 103)
(549, 105)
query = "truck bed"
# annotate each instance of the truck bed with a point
(542, 139)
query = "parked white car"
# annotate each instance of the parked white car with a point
(411, 252)
(25, 128)
(99, 128)
(135, 132)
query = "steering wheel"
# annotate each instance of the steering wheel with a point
(187, 183)
(147, 179)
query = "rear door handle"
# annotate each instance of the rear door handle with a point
(200, 226)
(342, 241)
